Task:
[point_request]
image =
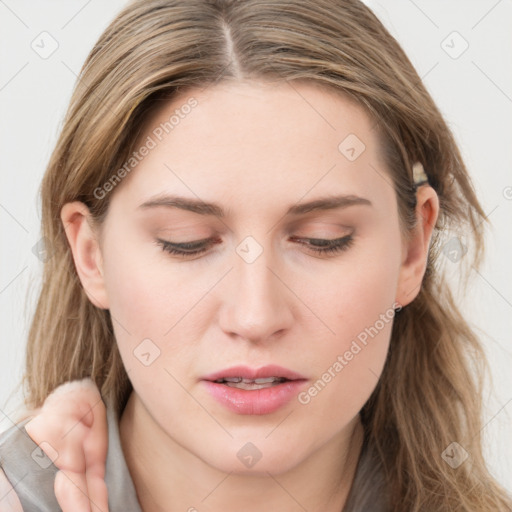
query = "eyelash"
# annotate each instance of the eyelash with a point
(330, 246)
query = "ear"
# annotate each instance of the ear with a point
(415, 250)
(86, 251)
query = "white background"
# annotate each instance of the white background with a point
(473, 91)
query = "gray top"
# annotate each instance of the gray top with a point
(32, 474)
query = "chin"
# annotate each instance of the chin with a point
(258, 457)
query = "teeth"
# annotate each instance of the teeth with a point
(266, 380)
(251, 385)
(241, 383)
(249, 381)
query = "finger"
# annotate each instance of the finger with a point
(98, 494)
(72, 424)
(95, 453)
(64, 422)
(71, 492)
(84, 457)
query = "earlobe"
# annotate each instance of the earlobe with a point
(416, 249)
(85, 250)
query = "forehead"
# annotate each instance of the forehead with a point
(253, 142)
(261, 110)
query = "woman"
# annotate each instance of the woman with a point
(246, 208)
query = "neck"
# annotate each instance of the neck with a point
(167, 476)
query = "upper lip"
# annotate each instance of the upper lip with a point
(246, 372)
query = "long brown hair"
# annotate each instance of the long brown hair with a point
(429, 394)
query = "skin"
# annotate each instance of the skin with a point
(256, 149)
(71, 428)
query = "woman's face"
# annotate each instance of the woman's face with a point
(270, 158)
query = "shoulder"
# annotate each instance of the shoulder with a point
(26, 473)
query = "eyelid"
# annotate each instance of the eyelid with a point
(330, 247)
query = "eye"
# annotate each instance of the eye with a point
(316, 245)
(321, 246)
(187, 248)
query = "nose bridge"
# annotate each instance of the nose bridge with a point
(256, 304)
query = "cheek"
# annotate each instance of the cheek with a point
(132, 293)
(366, 311)
(151, 304)
(136, 307)
(357, 304)
(142, 317)
(352, 293)
(145, 294)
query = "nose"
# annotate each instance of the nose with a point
(257, 304)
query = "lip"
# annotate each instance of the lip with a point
(246, 372)
(256, 401)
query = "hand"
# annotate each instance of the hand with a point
(71, 428)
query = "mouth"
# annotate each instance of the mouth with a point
(246, 390)
(250, 384)
(244, 377)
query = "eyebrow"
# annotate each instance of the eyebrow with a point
(205, 208)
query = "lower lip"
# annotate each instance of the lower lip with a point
(255, 401)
